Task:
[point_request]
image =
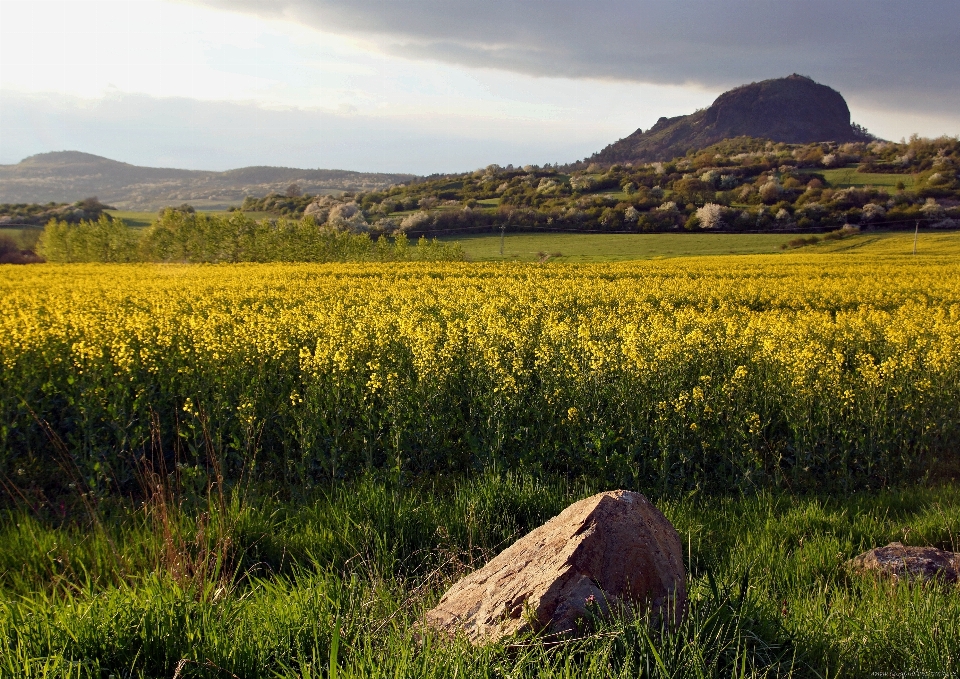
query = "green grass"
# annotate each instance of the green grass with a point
(253, 215)
(262, 588)
(892, 243)
(844, 177)
(136, 220)
(622, 247)
(24, 238)
(576, 247)
(14, 233)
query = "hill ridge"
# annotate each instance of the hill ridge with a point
(67, 176)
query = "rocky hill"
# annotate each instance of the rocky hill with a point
(794, 110)
(68, 176)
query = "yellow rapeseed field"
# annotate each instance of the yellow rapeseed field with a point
(797, 370)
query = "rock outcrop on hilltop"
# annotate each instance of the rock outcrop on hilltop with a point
(794, 110)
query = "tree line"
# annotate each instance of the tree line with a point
(741, 184)
(181, 236)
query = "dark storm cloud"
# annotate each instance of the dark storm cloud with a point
(892, 55)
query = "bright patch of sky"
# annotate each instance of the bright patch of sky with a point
(75, 55)
(96, 49)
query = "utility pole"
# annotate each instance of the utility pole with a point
(915, 234)
(503, 230)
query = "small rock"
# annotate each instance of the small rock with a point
(610, 548)
(909, 562)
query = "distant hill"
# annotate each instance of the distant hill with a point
(68, 176)
(793, 110)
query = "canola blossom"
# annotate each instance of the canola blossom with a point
(799, 371)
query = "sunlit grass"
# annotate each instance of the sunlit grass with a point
(843, 177)
(624, 247)
(928, 242)
(345, 576)
(578, 247)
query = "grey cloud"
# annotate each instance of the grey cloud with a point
(880, 53)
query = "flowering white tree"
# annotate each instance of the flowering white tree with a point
(812, 210)
(933, 210)
(771, 190)
(872, 211)
(631, 214)
(387, 224)
(343, 211)
(416, 220)
(547, 185)
(348, 216)
(710, 216)
(582, 183)
(317, 211)
(358, 223)
(710, 177)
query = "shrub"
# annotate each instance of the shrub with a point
(11, 253)
(104, 240)
(932, 210)
(872, 212)
(418, 220)
(710, 216)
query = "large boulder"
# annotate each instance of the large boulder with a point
(900, 562)
(612, 548)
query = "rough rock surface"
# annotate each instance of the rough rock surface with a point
(909, 562)
(609, 548)
(795, 110)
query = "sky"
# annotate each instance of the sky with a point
(428, 86)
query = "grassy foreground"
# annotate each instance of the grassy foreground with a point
(735, 391)
(335, 584)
